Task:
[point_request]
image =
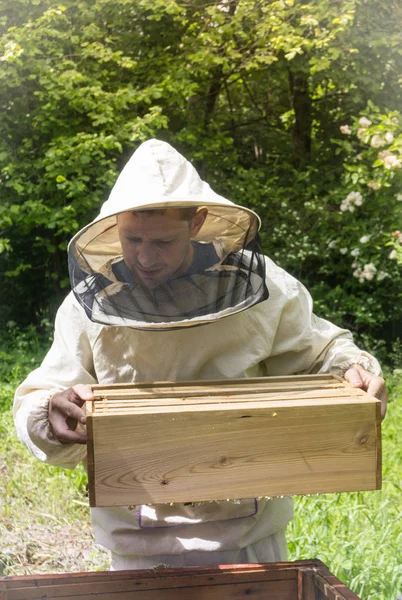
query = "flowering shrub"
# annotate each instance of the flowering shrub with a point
(338, 229)
(366, 244)
(375, 179)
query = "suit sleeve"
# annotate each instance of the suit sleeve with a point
(305, 343)
(68, 362)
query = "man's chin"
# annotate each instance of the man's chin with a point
(149, 281)
(150, 285)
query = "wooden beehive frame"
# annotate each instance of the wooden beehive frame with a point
(302, 580)
(225, 439)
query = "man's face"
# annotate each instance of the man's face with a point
(157, 246)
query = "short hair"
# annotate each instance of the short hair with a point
(186, 212)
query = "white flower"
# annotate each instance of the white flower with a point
(360, 133)
(366, 274)
(358, 274)
(222, 6)
(381, 155)
(381, 275)
(374, 185)
(369, 271)
(392, 254)
(399, 197)
(364, 239)
(355, 198)
(355, 252)
(344, 251)
(364, 122)
(345, 129)
(389, 138)
(377, 141)
(392, 162)
(332, 244)
(352, 199)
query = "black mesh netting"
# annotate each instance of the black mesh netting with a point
(144, 269)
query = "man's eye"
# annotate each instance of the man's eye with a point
(164, 242)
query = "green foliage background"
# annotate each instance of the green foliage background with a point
(253, 92)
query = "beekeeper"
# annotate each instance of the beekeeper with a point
(166, 254)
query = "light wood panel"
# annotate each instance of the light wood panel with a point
(301, 580)
(203, 441)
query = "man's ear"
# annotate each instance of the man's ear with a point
(198, 221)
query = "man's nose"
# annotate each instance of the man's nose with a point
(147, 255)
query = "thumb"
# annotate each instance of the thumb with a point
(83, 392)
(353, 376)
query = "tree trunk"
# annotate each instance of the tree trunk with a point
(217, 78)
(301, 103)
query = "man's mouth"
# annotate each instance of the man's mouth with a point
(149, 272)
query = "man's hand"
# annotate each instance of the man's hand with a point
(372, 384)
(65, 412)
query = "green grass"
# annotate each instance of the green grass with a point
(44, 515)
(359, 535)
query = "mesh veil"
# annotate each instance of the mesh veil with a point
(226, 273)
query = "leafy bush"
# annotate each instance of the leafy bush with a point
(23, 352)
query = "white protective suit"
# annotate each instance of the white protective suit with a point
(276, 336)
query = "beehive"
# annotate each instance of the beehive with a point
(226, 439)
(303, 580)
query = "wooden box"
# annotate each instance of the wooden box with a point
(227, 439)
(303, 580)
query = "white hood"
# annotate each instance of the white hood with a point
(157, 174)
(158, 177)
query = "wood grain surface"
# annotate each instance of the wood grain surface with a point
(204, 441)
(301, 580)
